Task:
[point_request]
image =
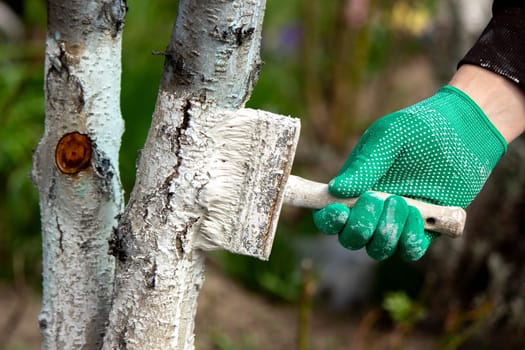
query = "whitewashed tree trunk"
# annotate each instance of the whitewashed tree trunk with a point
(212, 62)
(80, 195)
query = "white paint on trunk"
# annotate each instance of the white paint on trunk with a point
(212, 62)
(159, 272)
(78, 211)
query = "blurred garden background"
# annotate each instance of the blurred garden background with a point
(338, 65)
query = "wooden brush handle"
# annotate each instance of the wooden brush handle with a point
(300, 192)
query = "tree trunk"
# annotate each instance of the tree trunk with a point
(76, 169)
(212, 62)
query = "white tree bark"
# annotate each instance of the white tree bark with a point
(212, 62)
(77, 176)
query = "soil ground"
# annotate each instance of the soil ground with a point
(229, 318)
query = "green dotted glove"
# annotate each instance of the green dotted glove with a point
(440, 150)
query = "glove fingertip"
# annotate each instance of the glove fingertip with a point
(331, 219)
(415, 241)
(343, 186)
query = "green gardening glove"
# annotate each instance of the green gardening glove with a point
(440, 150)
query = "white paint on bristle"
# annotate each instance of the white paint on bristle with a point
(252, 158)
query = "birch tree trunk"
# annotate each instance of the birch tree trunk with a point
(212, 62)
(76, 169)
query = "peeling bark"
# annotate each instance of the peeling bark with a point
(79, 205)
(212, 62)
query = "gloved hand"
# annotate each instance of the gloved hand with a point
(440, 150)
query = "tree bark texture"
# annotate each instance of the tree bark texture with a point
(76, 169)
(212, 62)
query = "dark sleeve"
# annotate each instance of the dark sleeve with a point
(501, 46)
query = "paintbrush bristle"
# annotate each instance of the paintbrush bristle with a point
(252, 158)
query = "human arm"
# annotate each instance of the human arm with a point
(502, 100)
(492, 72)
(484, 106)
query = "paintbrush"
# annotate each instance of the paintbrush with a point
(249, 181)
